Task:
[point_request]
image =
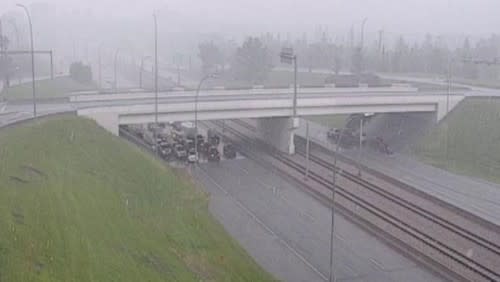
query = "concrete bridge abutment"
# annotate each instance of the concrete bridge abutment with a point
(278, 132)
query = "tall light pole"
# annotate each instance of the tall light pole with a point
(99, 64)
(32, 57)
(448, 92)
(334, 187)
(361, 45)
(287, 56)
(363, 33)
(16, 30)
(142, 69)
(156, 79)
(115, 79)
(206, 77)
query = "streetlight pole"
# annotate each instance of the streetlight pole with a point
(306, 177)
(361, 45)
(208, 76)
(156, 79)
(448, 92)
(363, 33)
(287, 56)
(142, 69)
(32, 57)
(295, 86)
(361, 120)
(99, 64)
(334, 181)
(115, 79)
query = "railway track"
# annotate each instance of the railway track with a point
(480, 241)
(408, 235)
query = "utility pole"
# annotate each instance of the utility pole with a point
(141, 70)
(4, 55)
(115, 66)
(287, 56)
(351, 46)
(99, 64)
(156, 80)
(360, 144)
(16, 30)
(362, 41)
(32, 57)
(306, 177)
(209, 76)
(51, 53)
(380, 35)
(294, 86)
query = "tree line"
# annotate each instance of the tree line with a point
(255, 57)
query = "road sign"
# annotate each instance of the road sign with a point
(287, 55)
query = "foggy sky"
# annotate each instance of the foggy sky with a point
(400, 16)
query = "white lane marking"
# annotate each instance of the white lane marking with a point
(376, 263)
(267, 228)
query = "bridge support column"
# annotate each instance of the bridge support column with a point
(278, 132)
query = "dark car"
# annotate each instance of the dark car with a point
(200, 138)
(333, 134)
(166, 152)
(213, 154)
(180, 152)
(229, 151)
(214, 140)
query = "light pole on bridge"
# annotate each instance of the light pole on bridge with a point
(156, 79)
(334, 188)
(143, 58)
(206, 77)
(115, 78)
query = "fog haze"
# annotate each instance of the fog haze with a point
(402, 16)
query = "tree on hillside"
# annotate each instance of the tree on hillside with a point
(80, 72)
(4, 43)
(337, 59)
(400, 56)
(468, 70)
(251, 62)
(211, 57)
(320, 55)
(357, 61)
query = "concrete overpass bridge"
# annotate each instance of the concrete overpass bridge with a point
(272, 107)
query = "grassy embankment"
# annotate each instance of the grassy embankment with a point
(47, 88)
(467, 142)
(78, 204)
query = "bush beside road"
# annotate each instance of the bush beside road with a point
(79, 204)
